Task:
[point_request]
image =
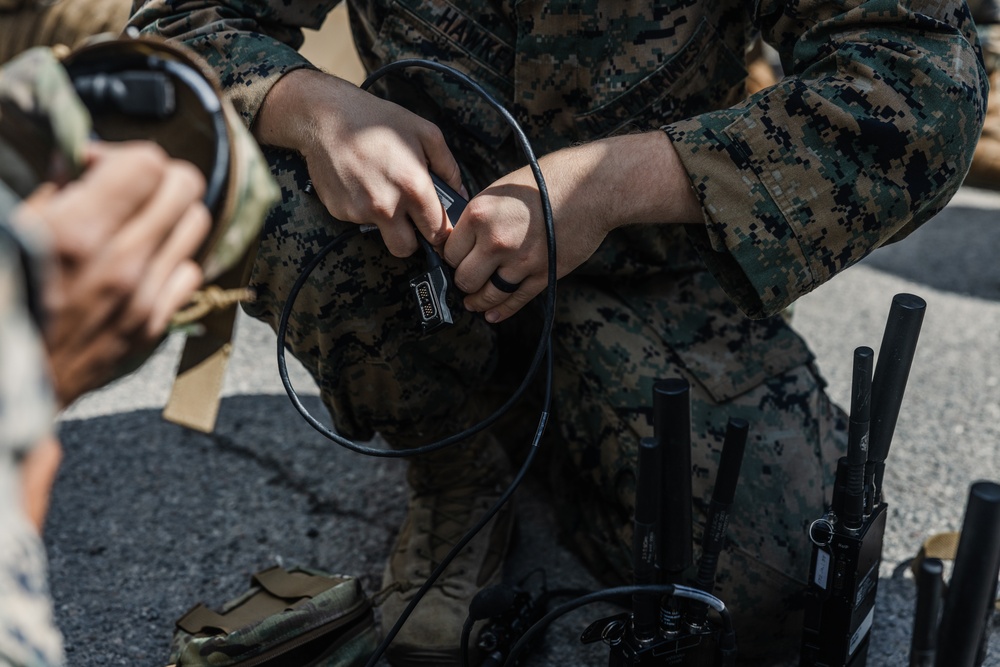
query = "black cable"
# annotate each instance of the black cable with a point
(433, 259)
(544, 339)
(463, 647)
(446, 561)
(543, 350)
(609, 595)
(542, 601)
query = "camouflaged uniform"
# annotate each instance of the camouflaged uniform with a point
(867, 137)
(28, 636)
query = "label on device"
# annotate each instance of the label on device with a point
(861, 632)
(822, 575)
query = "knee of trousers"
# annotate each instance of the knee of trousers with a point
(355, 327)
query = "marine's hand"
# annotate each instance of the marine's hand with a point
(122, 239)
(368, 159)
(593, 189)
(502, 230)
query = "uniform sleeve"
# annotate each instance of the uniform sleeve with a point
(27, 403)
(869, 136)
(249, 43)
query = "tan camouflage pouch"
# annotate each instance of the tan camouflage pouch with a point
(299, 617)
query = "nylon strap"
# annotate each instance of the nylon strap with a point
(199, 618)
(292, 585)
(943, 546)
(197, 390)
(278, 590)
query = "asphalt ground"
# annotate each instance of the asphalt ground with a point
(149, 518)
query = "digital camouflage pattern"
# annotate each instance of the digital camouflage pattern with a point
(791, 180)
(28, 636)
(867, 137)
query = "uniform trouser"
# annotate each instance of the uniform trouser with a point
(28, 634)
(355, 329)
(61, 22)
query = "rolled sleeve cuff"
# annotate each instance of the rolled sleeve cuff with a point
(747, 241)
(248, 65)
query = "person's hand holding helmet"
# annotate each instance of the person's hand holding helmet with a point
(122, 239)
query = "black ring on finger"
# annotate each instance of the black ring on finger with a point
(503, 285)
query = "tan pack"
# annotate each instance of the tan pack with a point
(300, 616)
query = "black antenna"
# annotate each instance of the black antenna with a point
(672, 427)
(857, 440)
(645, 544)
(895, 356)
(973, 584)
(723, 493)
(930, 592)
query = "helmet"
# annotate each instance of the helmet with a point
(128, 89)
(145, 88)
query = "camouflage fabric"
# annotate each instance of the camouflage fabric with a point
(869, 134)
(28, 637)
(617, 336)
(271, 619)
(44, 127)
(28, 23)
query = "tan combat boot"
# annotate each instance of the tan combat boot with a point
(451, 490)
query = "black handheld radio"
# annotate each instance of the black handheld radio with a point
(847, 540)
(672, 630)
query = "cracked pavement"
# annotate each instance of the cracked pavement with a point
(148, 518)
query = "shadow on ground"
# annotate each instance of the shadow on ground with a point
(149, 518)
(955, 252)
